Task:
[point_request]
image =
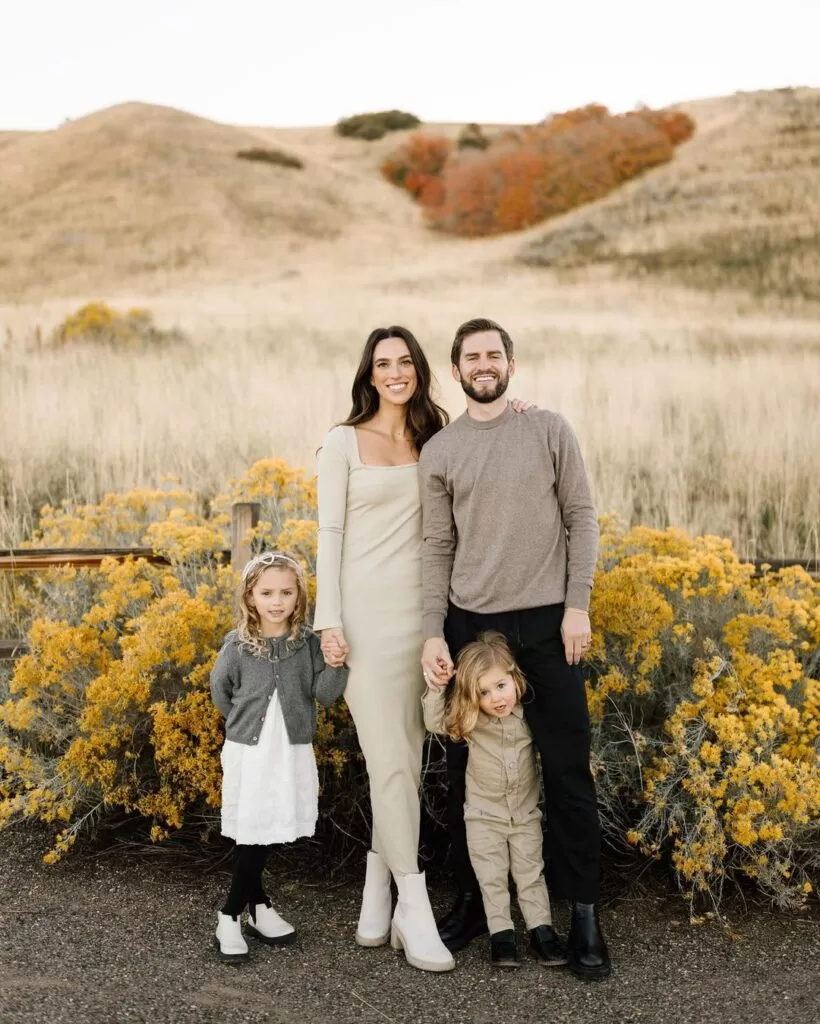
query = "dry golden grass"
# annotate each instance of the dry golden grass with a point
(695, 408)
(704, 427)
(139, 195)
(6, 138)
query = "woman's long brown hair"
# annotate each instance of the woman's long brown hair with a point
(424, 416)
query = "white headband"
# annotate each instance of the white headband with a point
(271, 558)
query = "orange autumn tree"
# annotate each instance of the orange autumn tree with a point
(417, 164)
(526, 176)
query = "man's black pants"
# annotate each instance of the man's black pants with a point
(555, 708)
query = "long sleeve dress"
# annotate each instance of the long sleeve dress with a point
(369, 584)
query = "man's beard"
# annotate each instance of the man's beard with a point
(489, 394)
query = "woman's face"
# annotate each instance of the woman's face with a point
(393, 374)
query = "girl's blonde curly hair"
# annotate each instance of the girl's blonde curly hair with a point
(490, 650)
(248, 623)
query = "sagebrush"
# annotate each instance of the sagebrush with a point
(267, 155)
(372, 126)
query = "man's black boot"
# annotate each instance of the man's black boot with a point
(466, 921)
(588, 955)
(503, 952)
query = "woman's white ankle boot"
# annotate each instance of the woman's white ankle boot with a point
(267, 926)
(229, 939)
(373, 928)
(414, 927)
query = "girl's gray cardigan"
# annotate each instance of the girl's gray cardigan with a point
(243, 683)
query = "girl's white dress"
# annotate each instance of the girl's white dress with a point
(270, 791)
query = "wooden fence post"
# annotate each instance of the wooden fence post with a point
(244, 517)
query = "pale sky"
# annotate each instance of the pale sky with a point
(296, 62)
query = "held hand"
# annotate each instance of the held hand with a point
(521, 405)
(576, 633)
(334, 647)
(436, 663)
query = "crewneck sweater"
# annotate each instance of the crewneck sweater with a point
(508, 517)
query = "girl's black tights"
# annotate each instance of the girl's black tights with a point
(246, 883)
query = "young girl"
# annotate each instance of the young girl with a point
(501, 812)
(268, 674)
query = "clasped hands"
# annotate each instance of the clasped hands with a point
(334, 647)
(438, 667)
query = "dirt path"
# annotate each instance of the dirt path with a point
(114, 939)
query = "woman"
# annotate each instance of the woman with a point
(368, 611)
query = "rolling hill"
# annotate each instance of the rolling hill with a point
(146, 200)
(738, 208)
(137, 191)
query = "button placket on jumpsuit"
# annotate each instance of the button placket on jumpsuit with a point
(503, 821)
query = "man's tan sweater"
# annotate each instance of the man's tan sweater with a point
(508, 517)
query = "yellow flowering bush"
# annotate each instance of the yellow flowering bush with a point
(98, 322)
(702, 684)
(704, 695)
(284, 493)
(119, 520)
(110, 712)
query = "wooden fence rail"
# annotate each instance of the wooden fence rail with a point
(28, 559)
(244, 517)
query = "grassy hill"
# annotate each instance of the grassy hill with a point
(138, 190)
(145, 199)
(738, 208)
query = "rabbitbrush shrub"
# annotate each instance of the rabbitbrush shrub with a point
(98, 322)
(705, 702)
(702, 684)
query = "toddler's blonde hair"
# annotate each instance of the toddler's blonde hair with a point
(490, 650)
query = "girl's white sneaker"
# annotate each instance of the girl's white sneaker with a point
(229, 939)
(377, 904)
(267, 926)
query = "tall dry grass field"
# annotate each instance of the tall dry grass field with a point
(686, 425)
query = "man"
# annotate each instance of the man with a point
(510, 543)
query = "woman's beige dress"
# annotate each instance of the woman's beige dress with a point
(369, 585)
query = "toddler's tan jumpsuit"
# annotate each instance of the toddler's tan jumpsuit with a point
(502, 814)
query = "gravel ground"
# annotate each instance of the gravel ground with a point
(118, 938)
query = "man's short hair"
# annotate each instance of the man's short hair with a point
(476, 327)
